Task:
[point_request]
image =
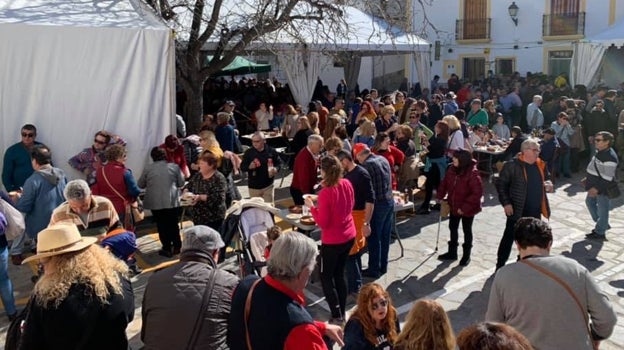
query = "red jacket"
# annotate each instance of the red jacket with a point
(464, 190)
(115, 176)
(304, 172)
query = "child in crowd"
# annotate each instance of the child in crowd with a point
(500, 128)
(272, 234)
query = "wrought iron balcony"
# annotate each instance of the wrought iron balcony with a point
(564, 24)
(473, 29)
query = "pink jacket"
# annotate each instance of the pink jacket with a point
(333, 213)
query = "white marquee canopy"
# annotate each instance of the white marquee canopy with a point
(73, 67)
(589, 53)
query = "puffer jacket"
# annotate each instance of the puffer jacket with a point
(464, 190)
(172, 300)
(512, 186)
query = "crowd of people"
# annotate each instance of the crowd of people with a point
(358, 152)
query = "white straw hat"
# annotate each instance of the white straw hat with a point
(59, 239)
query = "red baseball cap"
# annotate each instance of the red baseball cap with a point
(358, 148)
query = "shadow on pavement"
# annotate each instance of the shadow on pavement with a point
(585, 252)
(419, 287)
(618, 284)
(472, 309)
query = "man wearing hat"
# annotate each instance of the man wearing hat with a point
(194, 293)
(381, 221)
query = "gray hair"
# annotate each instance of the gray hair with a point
(537, 98)
(290, 255)
(259, 134)
(77, 190)
(315, 138)
(526, 144)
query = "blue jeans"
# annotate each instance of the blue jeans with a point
(6, 288)
(379, 240)
(354, 273)
(599, 210)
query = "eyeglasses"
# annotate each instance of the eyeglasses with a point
(599, 140)
(27, 134)
(535, 149)
(99, 142)
(381, 303)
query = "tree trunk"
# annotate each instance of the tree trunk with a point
(194, 108)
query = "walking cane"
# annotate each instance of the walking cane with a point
(445, 210)
(438, 235)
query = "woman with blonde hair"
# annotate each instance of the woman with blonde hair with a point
(84, 299)
(456, 136)
(313, 117)
(427, 327)
(374, 323)
(290, 121)
(365, 133)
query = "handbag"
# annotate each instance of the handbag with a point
(133, 211)
(613, 190)
(15, 330)
(567, 288)
(15, 220)
(198, 320)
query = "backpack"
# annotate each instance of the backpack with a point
(15, 220)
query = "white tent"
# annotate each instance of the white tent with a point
(589, 53)
(73, 67)
(298, 47)
(362, 35)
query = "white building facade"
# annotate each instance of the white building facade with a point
(472, 37)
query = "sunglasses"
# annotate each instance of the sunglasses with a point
(99, 142)
(26, 134)
(381, 303)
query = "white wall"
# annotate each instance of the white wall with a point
(531, 52)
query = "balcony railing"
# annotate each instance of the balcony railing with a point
(564, 24)
(472, 29)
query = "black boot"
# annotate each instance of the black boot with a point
(465, 260)
(452, 252)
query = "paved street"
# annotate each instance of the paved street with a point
(462, 291)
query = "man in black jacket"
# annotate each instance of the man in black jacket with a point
(522, 187)
(174, 296)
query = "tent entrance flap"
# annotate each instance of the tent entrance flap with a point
(241, 66)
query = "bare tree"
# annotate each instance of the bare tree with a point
(224, 29)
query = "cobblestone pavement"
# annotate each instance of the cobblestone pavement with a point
(462, 291)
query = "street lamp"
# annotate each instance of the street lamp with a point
(513, 12)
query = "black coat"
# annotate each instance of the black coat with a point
(512, 186)
(81, 321)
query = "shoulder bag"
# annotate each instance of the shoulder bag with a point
(247, 310)
(613, 190)
(15, 220)
(568, 289)
(133, 211)
(199, 320)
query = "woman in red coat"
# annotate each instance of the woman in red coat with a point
(463, 189)
(175, 154)
(394, 155)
